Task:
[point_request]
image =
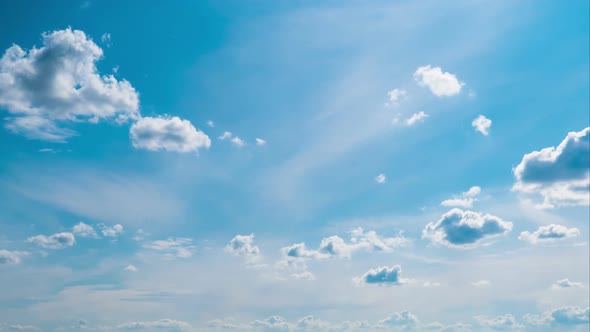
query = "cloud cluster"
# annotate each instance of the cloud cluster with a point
(243, 245)
(110, 231)
(441, 84)
(385, 276)
(561, 175)
(55, 241)
(549, 233)
(466, 200)
(463, 229)
(168, 134)
(47, 88)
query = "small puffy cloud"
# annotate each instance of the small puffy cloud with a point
(441, 84)
(415, 118)
(45, 89)
(481, 283)
(566, 283)
(84, 230)
(381, 178)
(167, 133)
(382, 276)
(169, 324)
(55, 241)
(549, 233)
(226, 135)
(172, 247)
(560, 175)
(12, 257)
(210, 124)
(130, 268)
(260, 141)
(503, 322)
(400, 320)
(464, 229)
(466, 200)
(482, 124)
(111, 231)
(238, 141)
(396, 95)
(567, 315)
(243, 245)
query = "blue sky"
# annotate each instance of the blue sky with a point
(294, 166)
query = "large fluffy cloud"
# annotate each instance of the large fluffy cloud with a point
(382, 276)
(561, 175)
(458, 228)
(441, 84)
(47, 88)
(167, 133)
(549, 233)
(55, 241)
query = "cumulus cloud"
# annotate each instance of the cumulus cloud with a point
(566, 283)
(12, 257)
(384, 276)
(55, 241)
(466, 200)
(396, 95)
(381, 178)
(567, 315)
(549, 233)
(172, 247)
(458, 228)
(482, 124)
(260, 141)
(238, 141)
(441, 84)
(561, 175)
(503, 322)
(84, 230)
(45, 89)
(415, 118)
(167, 133)
(226, 135)
(243, 245)
(111, 231)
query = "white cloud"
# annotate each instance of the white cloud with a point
(242, 245)
(11, 257)
(167, 133)
(238, 141)
(465, 229)
(396, 95)
(560, 175)
(467, 199)
(382, 276)
(210, 124)
(111, 231)
(226, 135)
(47, 88)
(55, 241)
(566, 283)
(381, 178)
(415, 118)
(401, 320)
(260, 141)
(276, 323)
(106, 39)
(131, 268)
(440, 83)
(482, 124)
(177, 247)
(481, 283)
(503, 322)
(158, 324)
(567, 315)
(549, 233)
(84, 230)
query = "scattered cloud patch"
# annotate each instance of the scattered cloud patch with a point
(130, 268)
(11, 257)
(563, 316)
(401, 320)
(559, 174)
(415, 118)
(464, 229)
(549, 233)
(260, 141)
(441, 84)
(466, 200)
(381, 178)
(106, 39)
(172, 247)
(238, 141)
(226, 135)
(47, 88)
(111, 231)
(170, 324)
(167, 133)
(395, 96)
(210, 123)
(482, 125)
(84, 230)
(55, 241)
(384, 276)
(566, 283)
